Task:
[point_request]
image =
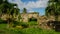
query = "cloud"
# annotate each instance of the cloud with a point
(18, 2)
(31, 11)
(37, 4)
(30, 4)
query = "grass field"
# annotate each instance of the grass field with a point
(3, 30)
(33, 23)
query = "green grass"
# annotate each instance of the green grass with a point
(2, 26)
(33, 31)
(39, 31)
(32, 23)
(25, 30)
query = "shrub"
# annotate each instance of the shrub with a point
(23, 24)
(3, 21)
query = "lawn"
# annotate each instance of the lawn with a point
(30, 30)
(32, 23)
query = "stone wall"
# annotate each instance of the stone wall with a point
(41, 20)
(6, 16)
(25, 17)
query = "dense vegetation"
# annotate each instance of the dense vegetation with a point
(18, 27)
(53, 8)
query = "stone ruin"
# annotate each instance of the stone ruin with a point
(27, 16)
(41, 20)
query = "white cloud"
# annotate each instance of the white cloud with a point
(31, 11)
(18, 2)
(31, 4)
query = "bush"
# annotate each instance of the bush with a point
(15, 23)
(3, 21)
(23, 24)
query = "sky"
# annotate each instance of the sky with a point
(31, 5)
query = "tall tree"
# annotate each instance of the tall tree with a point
(53, 8)
(24, 10)
(9, 9)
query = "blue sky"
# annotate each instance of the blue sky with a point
(32, 5)
(28, 0)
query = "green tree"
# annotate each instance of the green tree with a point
(9, 9)
(53, 8)
(24, 10)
